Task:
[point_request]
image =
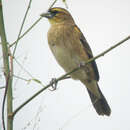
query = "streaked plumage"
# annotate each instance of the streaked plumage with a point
(70, 49)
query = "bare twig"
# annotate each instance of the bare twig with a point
(52, 4)
(22, 26)
(19, 72)
(73, 117)
(2, 87)
(34, 79)
(63, 76)
(64, 1)
(18, 77)
(23, 68)
(30, 28)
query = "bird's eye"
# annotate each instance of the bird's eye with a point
(54, 13)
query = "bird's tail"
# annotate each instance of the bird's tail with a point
(100, 104)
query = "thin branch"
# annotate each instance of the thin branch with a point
(67, 77)
(35, 80)
(64, 1)
(18, 77)
(63, 76)
(19, 72)
(29, 29)
(22, 26)
(23, 68)
(52, 4)
(2, 87)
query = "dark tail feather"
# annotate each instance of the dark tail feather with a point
(101, 105)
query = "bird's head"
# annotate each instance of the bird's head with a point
(58, 15)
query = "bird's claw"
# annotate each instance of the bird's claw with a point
(53, 84)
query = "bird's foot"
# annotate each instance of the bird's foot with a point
(53, 83)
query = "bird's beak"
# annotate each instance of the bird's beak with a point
(47, 15)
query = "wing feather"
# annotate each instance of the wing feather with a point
(88, 52)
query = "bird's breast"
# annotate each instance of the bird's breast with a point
(60, 44)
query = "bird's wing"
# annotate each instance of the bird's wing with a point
(88, 51)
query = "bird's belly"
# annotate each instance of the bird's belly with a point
(68, 61)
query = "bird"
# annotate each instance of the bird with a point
(71, 50)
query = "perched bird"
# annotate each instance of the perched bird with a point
(71, 50)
